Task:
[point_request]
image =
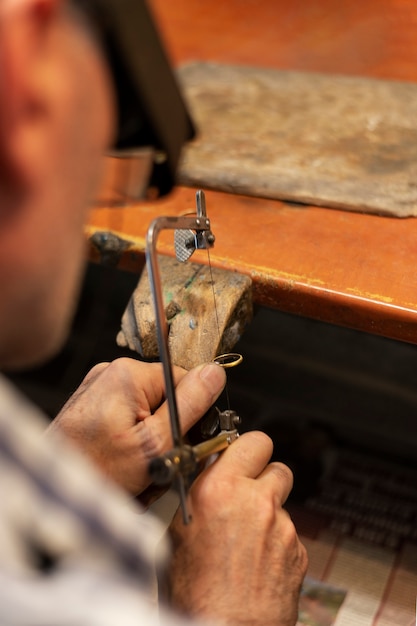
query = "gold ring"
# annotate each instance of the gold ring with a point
(228, 360)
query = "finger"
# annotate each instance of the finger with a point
(141, 385)
(149, 381)
(281, 479)
(95, 372)
(247, 456)
(195, 393)
(89, 378)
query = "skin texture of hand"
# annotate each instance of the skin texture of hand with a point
(239, 561)
(119, 417)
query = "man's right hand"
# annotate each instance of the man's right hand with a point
(239, 561)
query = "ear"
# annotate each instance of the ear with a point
(24, 30)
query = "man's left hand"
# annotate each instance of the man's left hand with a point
(119, 417)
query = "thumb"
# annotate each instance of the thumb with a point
(196, 393)
(247, 456)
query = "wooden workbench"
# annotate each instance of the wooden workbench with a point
(341, 267)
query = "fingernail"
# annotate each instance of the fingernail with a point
(213, 374)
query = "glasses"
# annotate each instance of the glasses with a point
(153, 121)
(127, 177)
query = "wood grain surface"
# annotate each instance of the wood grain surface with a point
(342, 267)
(207, 312)
(346, 142)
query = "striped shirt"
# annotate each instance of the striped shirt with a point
(74, 550)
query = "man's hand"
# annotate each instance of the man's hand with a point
(119, 416)
(239, 561)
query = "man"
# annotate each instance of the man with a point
(73, 548)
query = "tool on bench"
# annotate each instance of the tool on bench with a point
(179, 465)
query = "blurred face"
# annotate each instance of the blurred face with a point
(57, 153)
